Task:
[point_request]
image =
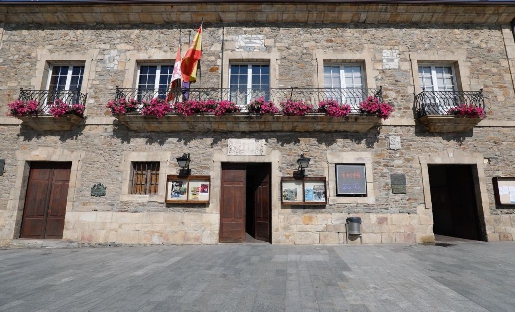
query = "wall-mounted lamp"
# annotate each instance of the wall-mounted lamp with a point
(184, 163)
(303, 163)
(2, 165)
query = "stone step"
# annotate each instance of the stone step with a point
(42, 243)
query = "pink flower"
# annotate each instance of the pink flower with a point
(295, 108)
(122, 106)
(372, 106)
(467, 110)
(20, 108)
(261, 107)
(333, 108)
(59, 108)
(225, 107)
(156, 107)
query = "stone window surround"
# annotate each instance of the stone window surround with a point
(16, 201)
(457, 60)
(334, 158)
(45, 58)
(151, 57)
(231, 57)
(126, 167)
(323, 57)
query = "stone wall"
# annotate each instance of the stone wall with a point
(113, 50)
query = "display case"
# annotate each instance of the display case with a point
(504, 191)
(304, 191)
(188, 189)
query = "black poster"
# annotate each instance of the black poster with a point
(351, 180)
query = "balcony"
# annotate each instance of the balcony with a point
(440, 111)
(245, 121)
(42, 116)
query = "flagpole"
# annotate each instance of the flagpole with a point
(222, 70)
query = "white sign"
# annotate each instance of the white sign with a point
(250, 43)
(394, 142)
(246, 147)
(390, 59)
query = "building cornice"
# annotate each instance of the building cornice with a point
(216, 12)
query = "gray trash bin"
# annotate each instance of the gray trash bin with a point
(354, 225)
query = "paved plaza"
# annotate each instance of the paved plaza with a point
(473, 276)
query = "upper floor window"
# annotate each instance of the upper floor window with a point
(437, 78)
(249, 81)
(154, 81)
(65, 78)
(346, 83)
(439, 82)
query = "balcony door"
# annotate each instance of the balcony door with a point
(440, 84)
(248, 82)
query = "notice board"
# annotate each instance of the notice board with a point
(351, 179)
(504, 190)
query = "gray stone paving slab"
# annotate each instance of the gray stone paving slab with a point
(246, 277)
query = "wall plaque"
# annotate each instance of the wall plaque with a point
(394, 142)
(245, 147)
(398, 182)
(98, 190)
(250, 43)
(390, 59)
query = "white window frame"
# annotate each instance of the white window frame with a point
(68, 76)
(158, 74)
(354, 104)
(243, 100)
(443, 104)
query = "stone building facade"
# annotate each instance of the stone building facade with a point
(392, 44)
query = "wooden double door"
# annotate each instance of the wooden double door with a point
(45, 200)
(245, 206)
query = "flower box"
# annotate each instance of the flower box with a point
(50, 123)
(448, 123)
(242, 122)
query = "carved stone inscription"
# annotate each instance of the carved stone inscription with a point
(394, 142)
(250, 43)
(390, 59)
(246, 147)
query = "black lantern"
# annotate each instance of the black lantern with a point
(303, 163)
(184, 163)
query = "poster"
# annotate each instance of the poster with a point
(182, 189)
(177, 190)
(292, 191)
(198, 190)
(314, 191)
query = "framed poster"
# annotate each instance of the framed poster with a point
(190, 189)
(504, 191)
(306, 191)
(351, 180)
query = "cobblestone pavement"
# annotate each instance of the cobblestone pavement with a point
(260, 277)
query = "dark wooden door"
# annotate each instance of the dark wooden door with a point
(262, 204)
(45, 201)
(232, 203)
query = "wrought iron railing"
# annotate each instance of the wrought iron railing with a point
(242, 97)
(440, 102)
(46, 98)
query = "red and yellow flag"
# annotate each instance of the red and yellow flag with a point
(191, 58)
(176, 76)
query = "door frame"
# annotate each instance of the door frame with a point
(273, 157)
(456, 157)
(16, 202)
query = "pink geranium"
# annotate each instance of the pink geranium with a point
(20, 108)
(156, 107)
(226, 107)
(333, 108)
(122, 106)
(261, 107)
(295, 108)
(467, 110)
(373, 106)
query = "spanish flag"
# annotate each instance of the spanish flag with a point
(176, 76)
(190, 61)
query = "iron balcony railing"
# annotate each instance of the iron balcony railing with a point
(440, 102)
(46, 98)
(242, 97)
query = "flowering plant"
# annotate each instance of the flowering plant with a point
(156, 107)
(188, 108)
(295, 108)
(20, 108)
(333, 108)
(373, 106)
(59, 108)
(122, 106)
(225, 107)
(261, 107)
(467, 110)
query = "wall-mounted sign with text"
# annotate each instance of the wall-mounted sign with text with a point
(351, 179)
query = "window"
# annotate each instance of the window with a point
(346, 82)
(65, 82)
(440, 82)
(249, 81)
(154, 81)
(144, 178)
